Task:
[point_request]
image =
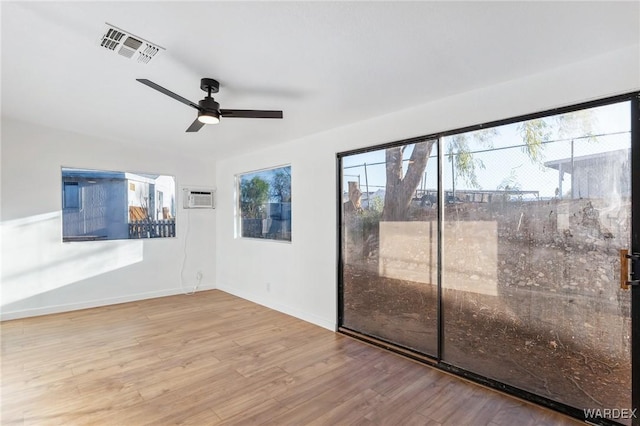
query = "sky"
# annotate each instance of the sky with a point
(510, 165)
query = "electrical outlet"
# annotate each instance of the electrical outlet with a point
(268, 287)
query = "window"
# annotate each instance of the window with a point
(265, 204)
(70, 195)
(111, 205)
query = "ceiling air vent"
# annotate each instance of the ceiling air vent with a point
(126, 44)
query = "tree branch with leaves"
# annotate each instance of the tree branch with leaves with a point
(401, 185)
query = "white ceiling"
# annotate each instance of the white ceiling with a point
(325, 64)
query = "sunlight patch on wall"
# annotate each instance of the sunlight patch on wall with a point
(408, 251)
(35, 261)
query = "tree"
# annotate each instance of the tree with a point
(510, 183)
(254, 194)
(400, 185)
(459, 154)
(536, 132)
(281, 186)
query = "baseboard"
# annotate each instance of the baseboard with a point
(305, 316)
(56, 309)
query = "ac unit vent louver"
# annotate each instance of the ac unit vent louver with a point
(199, 199)
(126, 44)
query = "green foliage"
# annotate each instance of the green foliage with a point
(578, 124)
(485, 137)
(367, 221)
(376, 204)
(534, 133)
(510, 182)
(465, 165)
(254, 194)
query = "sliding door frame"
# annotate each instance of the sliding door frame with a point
(635, 248)
(634, 99)
(375, 340)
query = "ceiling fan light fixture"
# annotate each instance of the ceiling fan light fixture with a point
(208, 117)
(209, 111)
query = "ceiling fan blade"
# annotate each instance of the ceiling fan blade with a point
(249, 113)
(168, 92)
(195, 126)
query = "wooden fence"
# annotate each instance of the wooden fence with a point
(147, 228)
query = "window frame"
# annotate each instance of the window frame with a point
(239, 222)
(105, 202)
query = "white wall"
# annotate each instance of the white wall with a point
(302, 275)
(41, 275)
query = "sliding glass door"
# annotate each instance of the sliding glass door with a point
(390, 244)
(502, 257)
(531, 255)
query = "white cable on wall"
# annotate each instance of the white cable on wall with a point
(184, 259)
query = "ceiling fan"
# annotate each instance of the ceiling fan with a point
(209, 111)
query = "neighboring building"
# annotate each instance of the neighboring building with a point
(100, 204)
(599, 175)
(277, 220)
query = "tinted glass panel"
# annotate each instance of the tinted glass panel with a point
(535, 217)
(389, 244)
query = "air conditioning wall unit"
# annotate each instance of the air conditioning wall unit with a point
(199, 198)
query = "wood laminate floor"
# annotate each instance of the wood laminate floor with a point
(212, 358)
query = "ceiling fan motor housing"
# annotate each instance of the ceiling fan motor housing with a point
(209, 104)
